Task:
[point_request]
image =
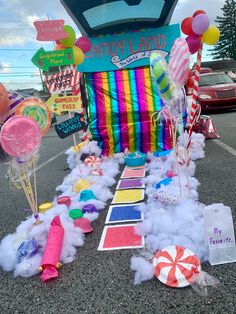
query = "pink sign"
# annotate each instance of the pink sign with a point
(50, 30)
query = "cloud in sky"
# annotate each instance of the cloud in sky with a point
(4, 67)
(186, 8)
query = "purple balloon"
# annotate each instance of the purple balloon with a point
(200, 24)
(194, 43)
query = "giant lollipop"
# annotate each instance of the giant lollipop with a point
(36, 109)
(20, 137)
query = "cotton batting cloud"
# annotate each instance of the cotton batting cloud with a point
(172, 213)
(28, 264)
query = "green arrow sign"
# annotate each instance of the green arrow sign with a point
(46, 59)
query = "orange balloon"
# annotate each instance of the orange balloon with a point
(59, 47)
(4, 101)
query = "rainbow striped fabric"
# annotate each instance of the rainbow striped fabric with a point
(121, 104)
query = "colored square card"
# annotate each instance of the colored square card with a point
(124, 213)
(130, 184)
(120, 237)
(128, 196)
(133, 173)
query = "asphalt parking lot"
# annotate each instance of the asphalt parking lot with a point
(102, 282)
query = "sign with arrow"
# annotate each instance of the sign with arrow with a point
(50, 30)
(71, 126)
(57, 104)
(46, 59)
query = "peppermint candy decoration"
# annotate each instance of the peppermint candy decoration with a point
(92, 161)
(176, 266)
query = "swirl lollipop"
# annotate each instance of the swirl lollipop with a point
(36, 109)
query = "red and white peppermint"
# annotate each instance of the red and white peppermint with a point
(92, 161)
(176, 266)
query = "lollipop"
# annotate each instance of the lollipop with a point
(176, 266)
(36, 109)
(20, 137)
(92, 161)
(179, 62)
(160, 73)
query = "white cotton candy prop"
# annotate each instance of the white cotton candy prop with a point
(143, 269)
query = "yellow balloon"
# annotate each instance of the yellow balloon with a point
(78, 55)
(211, 36)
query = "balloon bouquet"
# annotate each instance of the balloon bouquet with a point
(199, 31)
(170, 78)
(79, 46)
(20, 138)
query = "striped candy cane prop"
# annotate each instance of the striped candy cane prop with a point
(195, 87)
(195, 107)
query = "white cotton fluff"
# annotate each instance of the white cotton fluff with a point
(91, 216)
(143, 269)
(71, 159)
(73, 236)
(28, 267)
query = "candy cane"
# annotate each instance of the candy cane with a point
(195, 94)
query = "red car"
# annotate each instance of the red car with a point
(216, 91)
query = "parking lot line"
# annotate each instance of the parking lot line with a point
(225, 147)
(51, 159)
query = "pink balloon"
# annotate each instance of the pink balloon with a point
(194, 43)
(200, 24)
(83, 43)
(20, 137)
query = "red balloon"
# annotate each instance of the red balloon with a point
(198, 12)
(186, 25)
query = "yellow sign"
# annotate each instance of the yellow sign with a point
(57, 104)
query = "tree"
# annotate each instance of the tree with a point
(226, 47)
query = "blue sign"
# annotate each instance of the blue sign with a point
(128, 50)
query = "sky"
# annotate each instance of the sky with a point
(18, 35)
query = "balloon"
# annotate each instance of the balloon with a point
(211, 36)
(20, 137)
(160, 73)
(198, 12)
(179, 62)
(194, 43)
(78, 55)
(69, 41)
(83, 43)
(200, 24)
(59, 47)
(36, 109)
(186, 26)
(4, 101)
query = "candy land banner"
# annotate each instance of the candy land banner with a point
(128, 50)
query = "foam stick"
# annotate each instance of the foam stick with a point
(160, 73)
(52, 252)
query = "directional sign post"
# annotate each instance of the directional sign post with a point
(57, 104)
(46, 59)
(71, 126)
